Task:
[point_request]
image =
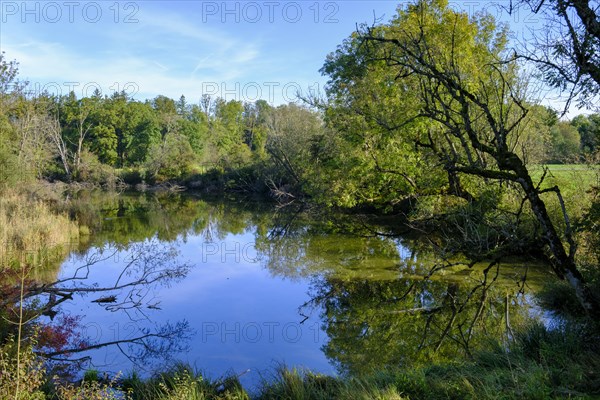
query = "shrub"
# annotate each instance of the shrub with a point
(20, 380)
(91, 170)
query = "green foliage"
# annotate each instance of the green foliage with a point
(362, 149)
(93, 171)
(589, 131)
(104, 143)
(10, 168)
(20, 381)
(402, 98)
(140, 132)
(255, 117)
(376, 161)
(462, 103)
(194, 126)
(8, 75)
(565, 141)
(227, 135)
(131, 176)
(9, 163)
(170, 160)
(292, 141)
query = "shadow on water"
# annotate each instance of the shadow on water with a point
(230, 285)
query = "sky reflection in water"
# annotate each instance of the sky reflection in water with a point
(243, 294)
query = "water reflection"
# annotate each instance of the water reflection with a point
(375, 324)
(240, 285)
(388, 301)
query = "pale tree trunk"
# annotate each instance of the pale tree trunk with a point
(55, 133)
(82, 133)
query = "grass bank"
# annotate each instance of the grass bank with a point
(539, 363)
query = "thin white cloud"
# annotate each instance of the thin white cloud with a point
(112, 66)
(168, 23)
(164, 68)
(165, 53)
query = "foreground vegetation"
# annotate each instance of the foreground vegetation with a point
(539, 363)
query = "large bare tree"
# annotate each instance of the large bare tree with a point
(464, 103)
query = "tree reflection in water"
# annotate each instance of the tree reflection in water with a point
(121, 280)
(383, 300)
(386, 301)
(374, 324)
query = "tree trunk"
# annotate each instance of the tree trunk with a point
(563, 264)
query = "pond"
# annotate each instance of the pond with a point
(236, 287)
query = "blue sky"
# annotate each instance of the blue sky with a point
(237, 50)
(241, 50)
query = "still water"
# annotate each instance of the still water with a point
(238, 287)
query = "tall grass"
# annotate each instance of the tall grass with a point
(540, 365)
(31, 233)
(32, 237)
(183, 383)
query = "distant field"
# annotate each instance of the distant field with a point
(574, 181)
(569, 167)
(568, 175)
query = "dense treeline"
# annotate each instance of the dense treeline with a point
(87, 139)
(327, 153)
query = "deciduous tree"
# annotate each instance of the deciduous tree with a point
(465, 105)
